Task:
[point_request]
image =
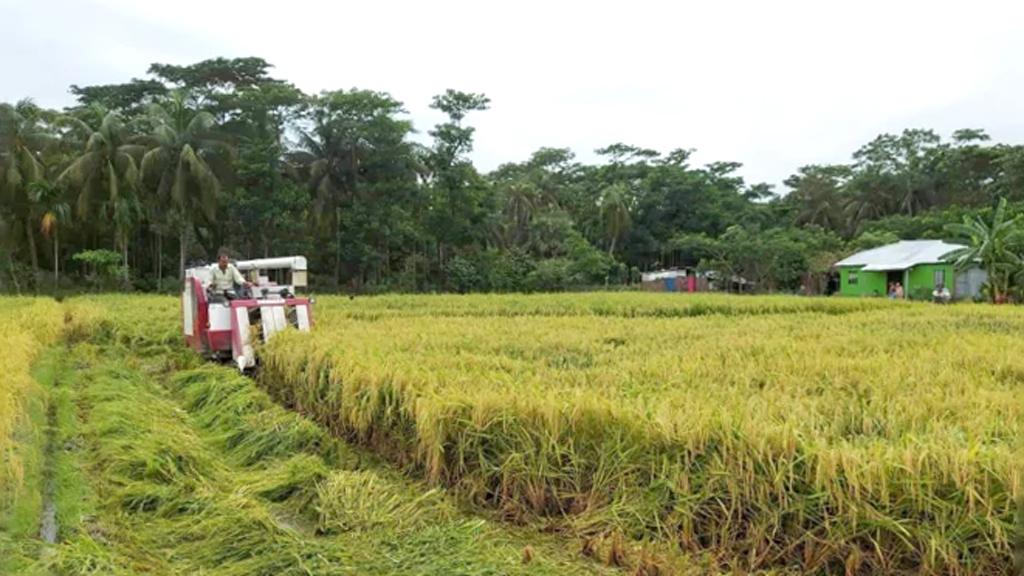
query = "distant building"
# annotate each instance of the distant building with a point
(919, 265)
(691, 280)
(674, 280)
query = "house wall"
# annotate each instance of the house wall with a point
(969, 282)
(921, 280)
(868, 283)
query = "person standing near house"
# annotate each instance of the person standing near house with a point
(898, 289)
(891, 292)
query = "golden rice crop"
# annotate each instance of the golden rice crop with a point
(201, 471)
(26, 326)
(838, 434)
(624, 304)
(136, 321)
(832, 433)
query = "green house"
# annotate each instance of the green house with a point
(919, 265)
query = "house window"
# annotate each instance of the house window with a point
(851, 277)
(940, 278)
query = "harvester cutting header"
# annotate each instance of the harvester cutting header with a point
(225, 306)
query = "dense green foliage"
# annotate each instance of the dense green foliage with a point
(166, 170)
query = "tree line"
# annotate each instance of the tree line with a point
(135, 181)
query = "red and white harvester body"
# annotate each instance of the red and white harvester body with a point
(227, 324)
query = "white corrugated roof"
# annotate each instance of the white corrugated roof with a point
(901, 255)
(661, 275)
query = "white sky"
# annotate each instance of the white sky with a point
(774, 85)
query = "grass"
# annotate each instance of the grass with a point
(23, 491)
(27, 325)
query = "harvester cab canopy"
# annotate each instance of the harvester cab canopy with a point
(274, 276)
(219, 324)
(270, 277)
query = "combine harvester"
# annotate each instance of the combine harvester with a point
(225, 324)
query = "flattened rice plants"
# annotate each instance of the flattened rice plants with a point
(175, 469)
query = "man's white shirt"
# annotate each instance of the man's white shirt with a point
(226, 279)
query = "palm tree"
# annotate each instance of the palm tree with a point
(521, 202)
(866, 202)
(50, 209)
(329, 156)
(993, 245)
(176, 170)
(819, 193)
(5, 254)
(615, 214)
(106, 174)
(22, 139)
(820, 207)
(354, 151)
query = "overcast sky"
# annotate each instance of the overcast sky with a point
(774, 85)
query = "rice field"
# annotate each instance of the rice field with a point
(27, 325)
(614, 304)
(148, 460)
(857, 435)
(654, 432)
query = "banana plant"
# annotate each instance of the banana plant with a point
(994, 246)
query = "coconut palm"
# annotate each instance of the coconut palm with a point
(105, 175)
(177, 169)
(867, 201)
(6, 257)
(329, 160)
(994, 245)
(22, 139)
(822, 208)
(615, 214)
(818, 193)
(521, 202)
(50, 209)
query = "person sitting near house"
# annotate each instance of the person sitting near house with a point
(891, 293)
(941, 294)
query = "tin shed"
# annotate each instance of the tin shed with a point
(676, 280)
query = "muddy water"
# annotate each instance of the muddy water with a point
(48, 523)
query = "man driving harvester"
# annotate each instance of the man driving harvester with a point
(224, 276)
(223, 318)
